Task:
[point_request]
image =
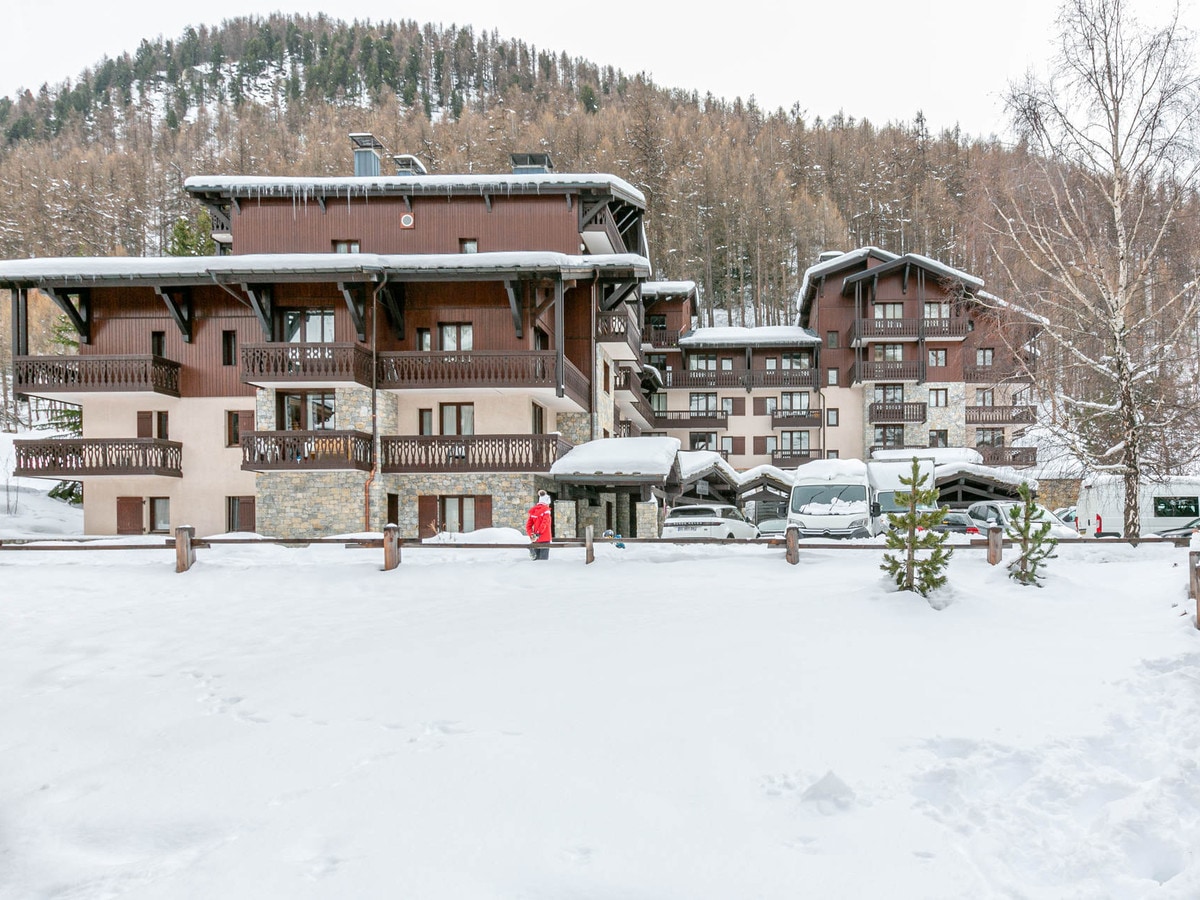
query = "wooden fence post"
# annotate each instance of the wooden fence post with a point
(185, 554)
(792, 554)
(1194, 580)
(391, 547)
(995, 547)
(589, 555)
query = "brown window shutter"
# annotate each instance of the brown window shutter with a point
(739, 406)
(760, 443)
(245, 421)
(246, 517)
(739, 445)
(145, 425)
(427, 514)
(760, 406)
(129, 513)
(483, 510)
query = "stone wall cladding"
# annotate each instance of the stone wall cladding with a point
(309, 504)
(566, 518)
(648, 520)
(951, 417)
(574, 427)
(512, 494)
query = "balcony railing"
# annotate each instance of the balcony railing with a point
(789, 459)
(70, 374)
(266, 451)
(640, 405)
(471, 453)
(620, 326)
(418, 370)
(885, 371)
(625, 428)
(72, 458)
(1008, 456)
(798, 418)
(868, 330)
(697, 378)
(994, 374)
(690, 419)
(1000, 415)
(895, 413)
(780, 378)
(663, 337)
(945, 329)
(325, 363)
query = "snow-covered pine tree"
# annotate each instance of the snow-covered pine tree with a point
(921, 567)
(1031, 536)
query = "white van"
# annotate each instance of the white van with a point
(1168, 502)
(833, 498)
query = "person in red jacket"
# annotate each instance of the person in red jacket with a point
(538, 527)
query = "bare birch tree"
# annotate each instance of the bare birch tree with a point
(1093, 241)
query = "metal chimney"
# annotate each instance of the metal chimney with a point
(366, 154)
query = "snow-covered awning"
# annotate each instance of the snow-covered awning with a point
(765, 336)
(632, 460)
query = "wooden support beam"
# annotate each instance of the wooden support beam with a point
(487, 201)
(80, 316)
(538, 310)
(20, 322)
(513, 288)
(259, 296)
(321, 202)
(392, 297)
(589, 212)
(356, 303)
(618, 294)
(560, 314)
(180, 308)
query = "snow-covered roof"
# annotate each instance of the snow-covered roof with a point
(636, 457)
(829, 469)
(305, 187)
(924, 262)
(654, 290)
(837, 263)
(695, 464)
(1006, 475)
(939, 455)
(182, 269)
(765, 336)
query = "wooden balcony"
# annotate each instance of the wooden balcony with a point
(896, 413)
(866, 331)
(994, 375)
(780, 378)
(1000, 415)
(618, 330)
(480, 369)
(1018, 457)
(663, 337)
(796, 418)
(789, 459)
(626, 428)
(76, 458)
(703, 378)
(471, 452)
(317, 364)
(296, 451)
(95, 373)
(689, 419)
(885, 371)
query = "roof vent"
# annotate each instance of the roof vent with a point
(407, 164)
(531, 163)
(366, 154)
(827, 255)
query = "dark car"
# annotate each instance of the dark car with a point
(958, 523)
(1180, 531)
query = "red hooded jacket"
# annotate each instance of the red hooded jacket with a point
(537, 526)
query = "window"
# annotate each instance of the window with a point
(831, 417)
(831, 340)
(237, 423)
(456, 336)
(889, 353)
(425, 421)
(989, 437)
(794, 441)
(833, 454)
(726, 363)
(538, 424)
(702, 362)
(831, 377)
(658, 402)
(727, 406)
(984, 356)
(152, 424)
(160, 514)
(229, 348)
(239, 514)
(889, 436)
(794, 401)
(468, 245)
(770, 405)
(889, 393)
(937, 309)
(458, 418)
(656, 321)
(937, 358)
(771, 363)
(305, 411)
(158, 343)
(889, 311)
(345, 246)
(939, 438)
(308, 326)
(726, 445)
(798, 360)
(541, 340)
(424, 339)
(1177, 506)
(457, 513)
(770, 443)
(160, 425)
(985, 397)
(702, 440)
(702, 403)
(606, 376)
(658, 360)
(939, 397)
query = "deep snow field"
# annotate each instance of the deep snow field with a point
(670, 722)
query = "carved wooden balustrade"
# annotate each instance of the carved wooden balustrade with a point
(1009, 456)
(69, 374)
(620, 326)
(264, 451)
(796, 418)
(325, 363)
(471, 452)
(409, 370)
(73, 458)
(884, 412)
(1000, 415)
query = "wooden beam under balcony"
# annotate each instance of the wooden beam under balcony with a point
(471, 452)
(265, 365)
(41, 375)
(297, 451)
(77, 458)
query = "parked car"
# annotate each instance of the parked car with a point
(999, 512)
(1069, 516)
(712, 520)
(958, 523)
(1182, 531)
(772, 527)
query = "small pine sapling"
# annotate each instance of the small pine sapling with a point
(1031, 536)
(921, 565)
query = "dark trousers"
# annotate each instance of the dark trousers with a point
(539, 551)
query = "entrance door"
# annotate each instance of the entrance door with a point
(129, 515)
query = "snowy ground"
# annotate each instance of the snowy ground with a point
(666, 723)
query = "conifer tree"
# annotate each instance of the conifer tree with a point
(921, 565)
(1031, 535)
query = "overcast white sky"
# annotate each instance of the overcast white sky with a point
(879, 59)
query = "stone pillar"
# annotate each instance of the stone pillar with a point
(647, 520)
(566, 519)
(624, 517)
